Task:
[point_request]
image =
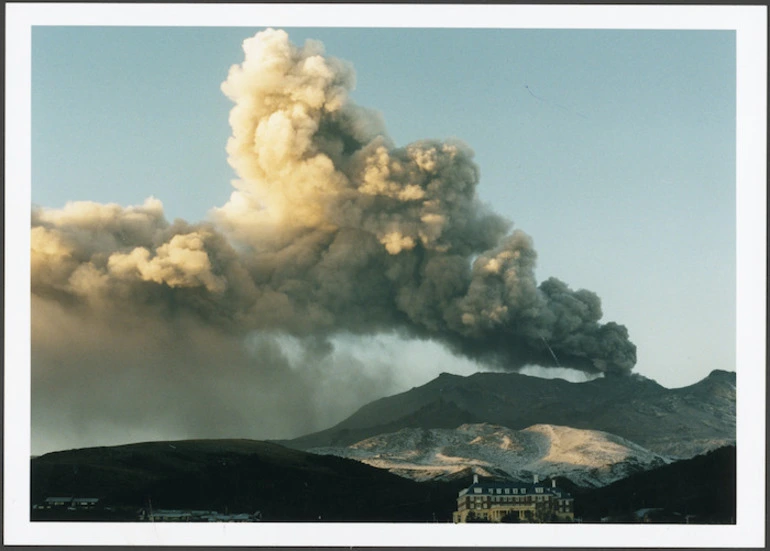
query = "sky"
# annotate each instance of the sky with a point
(613, 150)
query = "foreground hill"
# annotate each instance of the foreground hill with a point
(698, 490)
(680, 422)
(237, 476)
(587, 458)
(243, 476)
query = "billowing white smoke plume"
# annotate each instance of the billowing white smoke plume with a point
(331, 229)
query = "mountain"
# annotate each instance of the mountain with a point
(679, 422)
(235, 476)
(587, 458)
(288, 485)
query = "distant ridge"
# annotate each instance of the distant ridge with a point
(679, 422)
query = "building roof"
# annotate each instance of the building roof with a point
(490, 488)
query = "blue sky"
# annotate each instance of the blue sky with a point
(613, 149)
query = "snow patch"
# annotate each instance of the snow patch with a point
(586, 457)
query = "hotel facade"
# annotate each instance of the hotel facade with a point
(513, 502)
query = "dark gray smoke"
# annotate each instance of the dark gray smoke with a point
(331, 229)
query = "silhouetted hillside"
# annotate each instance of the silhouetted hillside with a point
(244, 476)
(703, 487)
(238, 476)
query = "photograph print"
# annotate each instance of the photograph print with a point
(382, 274)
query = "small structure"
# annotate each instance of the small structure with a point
(183, 515)
(170, 515)
(85, 502)
(57, 502)
(70, 503)
(240, 517)
(513, 502)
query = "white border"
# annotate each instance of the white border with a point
(748, 21)
(569, 16)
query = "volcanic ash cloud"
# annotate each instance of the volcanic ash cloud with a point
(331, 229)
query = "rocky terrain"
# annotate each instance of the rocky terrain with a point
(587, 458)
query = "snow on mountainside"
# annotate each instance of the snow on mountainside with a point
(586, 457)
(679, 422)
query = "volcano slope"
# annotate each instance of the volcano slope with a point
(587, 458)
(679, 423)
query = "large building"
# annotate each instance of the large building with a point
(513, 502)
